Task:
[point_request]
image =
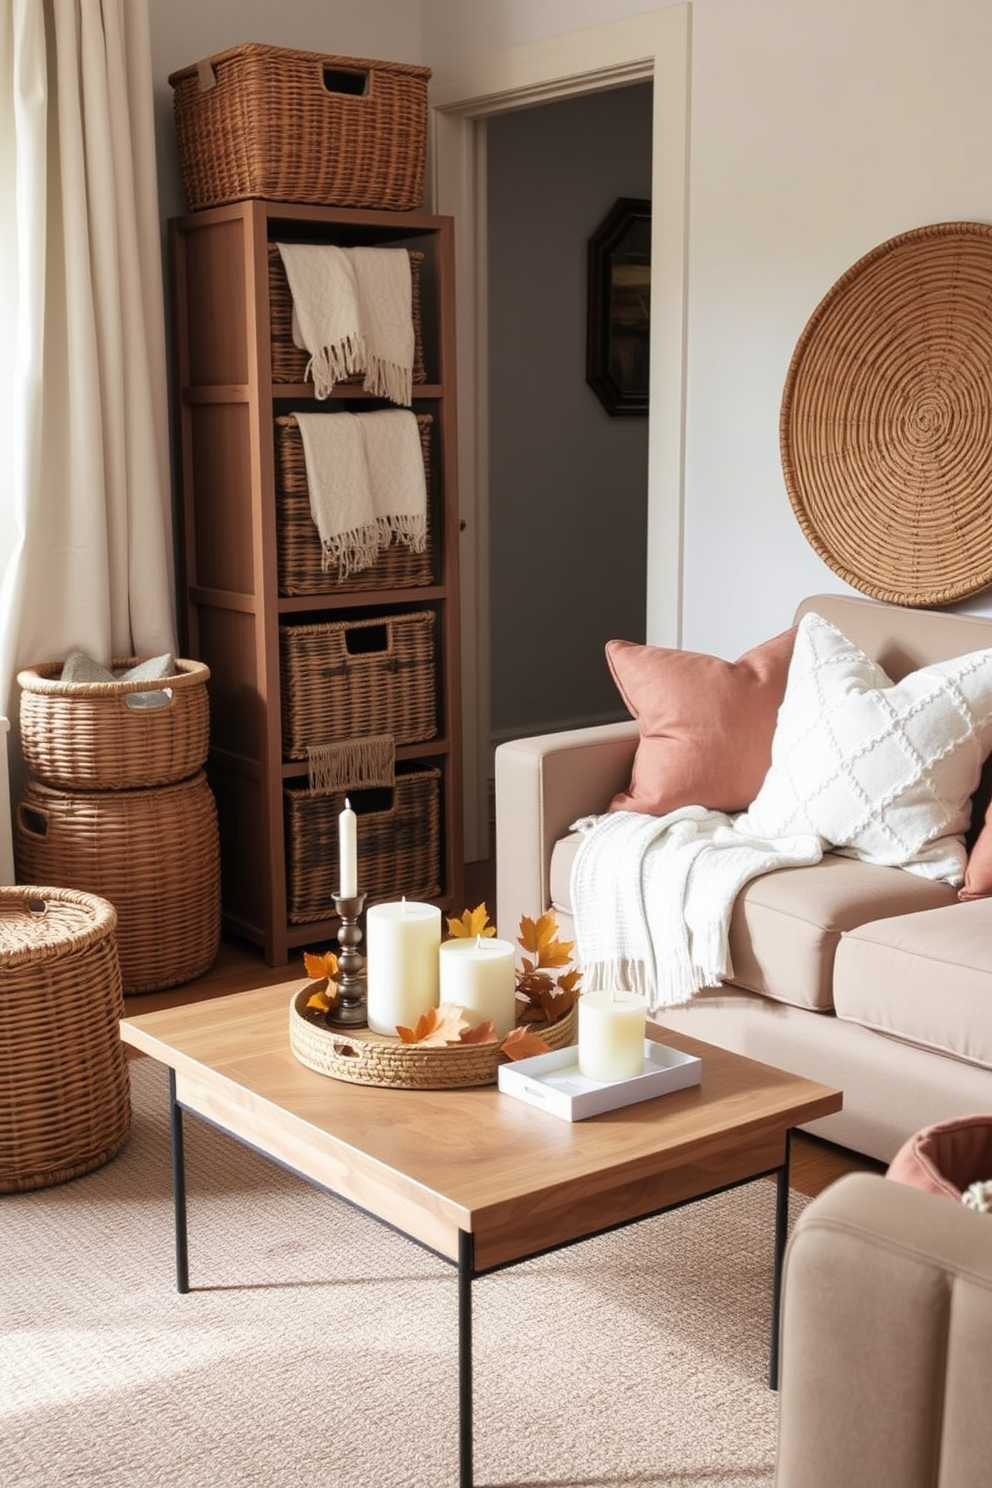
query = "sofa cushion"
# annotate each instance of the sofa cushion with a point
(923, 978)
(881, 771)
(786, 925)
(706, 724)
(946, 1158)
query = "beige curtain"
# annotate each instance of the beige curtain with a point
(85, 525)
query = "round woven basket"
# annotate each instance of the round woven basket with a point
(65, 1103)
(365, 1058)
(86, 736)
(155, 854)
(886, 419)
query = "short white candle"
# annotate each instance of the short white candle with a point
(401, 963)
(478, 975)
(611, 1035)
(347, 852)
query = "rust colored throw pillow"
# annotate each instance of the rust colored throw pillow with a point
(706, 724)
(947, 1158)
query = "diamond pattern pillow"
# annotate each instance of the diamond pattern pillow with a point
(881, 771)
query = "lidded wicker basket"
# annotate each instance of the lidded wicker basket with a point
(87, 736)
(65, 1105)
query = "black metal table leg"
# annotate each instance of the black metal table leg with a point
(781, 1234)
(465, 1269)
(178, 1186)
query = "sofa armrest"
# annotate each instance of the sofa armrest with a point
(543, 784)
(886, 1341)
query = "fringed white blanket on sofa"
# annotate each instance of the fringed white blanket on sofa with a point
(652, 897)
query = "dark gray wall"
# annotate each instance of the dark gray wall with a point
(568, 483)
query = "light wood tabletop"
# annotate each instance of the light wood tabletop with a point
(439, 1164)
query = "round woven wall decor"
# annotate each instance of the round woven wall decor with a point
(886, 421)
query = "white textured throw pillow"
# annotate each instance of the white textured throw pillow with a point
(879, 770)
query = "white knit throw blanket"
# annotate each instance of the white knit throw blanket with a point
(652, 897)
(365, 472)
(353, 312)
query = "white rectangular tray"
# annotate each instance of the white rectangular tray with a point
(552, 1082)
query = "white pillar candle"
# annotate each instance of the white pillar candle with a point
(478, 975)
(347, 853)
(401, 963)
(611, 1035)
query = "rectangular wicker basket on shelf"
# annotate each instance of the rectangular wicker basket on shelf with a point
(346, 678)
(298, 541)
(289, 361)
(400, 842)
(295, 126)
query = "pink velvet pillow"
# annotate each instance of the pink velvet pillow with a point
(706, 724)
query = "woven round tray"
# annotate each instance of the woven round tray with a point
(365, 1058)
(886, 419)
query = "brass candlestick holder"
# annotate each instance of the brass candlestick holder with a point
(350, 1009)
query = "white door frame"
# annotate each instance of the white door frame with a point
(653, 46)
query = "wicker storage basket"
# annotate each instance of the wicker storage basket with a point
(365, 1058)
(289, 361)
(400, 833)
(298, 541)
(344, 678)
(65, 1105)
(85, 736)
(297, 126)
(153, 853)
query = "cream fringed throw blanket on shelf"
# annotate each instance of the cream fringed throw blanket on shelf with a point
(652, 897)
(367, 485)
(352, 311)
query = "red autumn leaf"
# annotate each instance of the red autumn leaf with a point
(520, 1043)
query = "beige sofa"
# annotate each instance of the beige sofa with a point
(865, 977)
(885, 1364)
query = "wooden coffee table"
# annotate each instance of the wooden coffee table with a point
(476, 1176)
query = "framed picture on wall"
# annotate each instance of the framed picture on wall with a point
(619, 310)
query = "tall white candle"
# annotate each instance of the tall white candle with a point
(611, 1035)
(401, 963)
(347, 852)
(478, 975)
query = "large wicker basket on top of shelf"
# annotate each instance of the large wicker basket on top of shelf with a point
(65, 1103)
(87, 736)
(301, 127)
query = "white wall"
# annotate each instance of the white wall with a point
(818, 129)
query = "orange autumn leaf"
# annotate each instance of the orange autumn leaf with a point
(483, 1033)
(472, 923)
(324, 1001)
(555, 1005)
(520, 1043)
(319, 967)
(438, 1026)
(540, 938)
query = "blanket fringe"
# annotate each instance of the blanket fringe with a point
(388, 380)
(333, 364)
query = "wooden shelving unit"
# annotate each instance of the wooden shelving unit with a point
(227, 403)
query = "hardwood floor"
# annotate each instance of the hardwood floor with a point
(240, 966)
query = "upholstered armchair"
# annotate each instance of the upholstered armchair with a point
(886, 1342)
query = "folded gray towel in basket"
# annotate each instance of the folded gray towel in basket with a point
(78, 667)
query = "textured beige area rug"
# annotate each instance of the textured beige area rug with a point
(318, 1349)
